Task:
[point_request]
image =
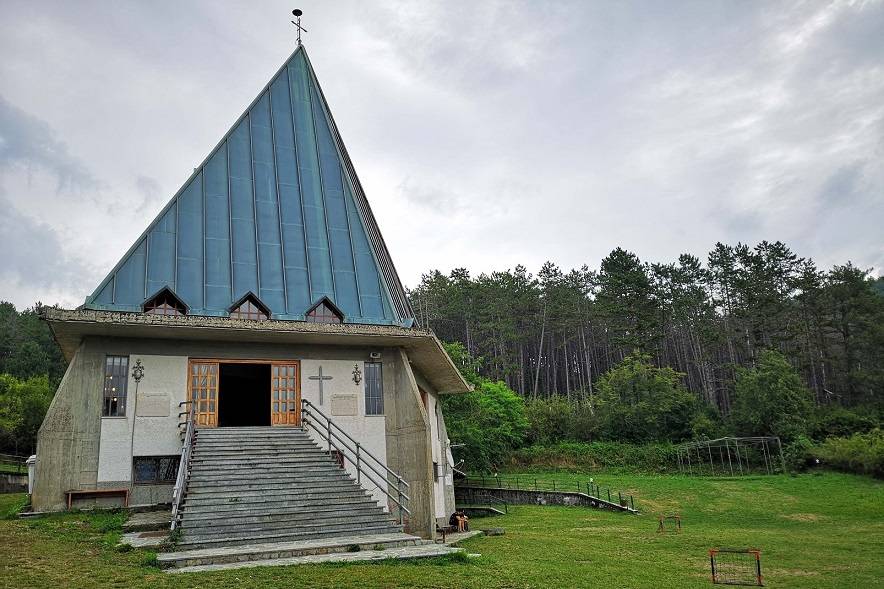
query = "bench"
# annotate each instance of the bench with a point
(445, 530)
(92, 493)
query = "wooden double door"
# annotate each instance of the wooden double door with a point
(206, 391)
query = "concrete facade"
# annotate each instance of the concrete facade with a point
(79, 449)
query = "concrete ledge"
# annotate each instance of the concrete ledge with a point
(473, 496)
(409, 552)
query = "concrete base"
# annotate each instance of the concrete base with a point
(153, 539)
(457, 537)
(408, 552)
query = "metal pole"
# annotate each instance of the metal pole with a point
(767, 456)
(328, 433)
(782, 460)
(359, 466)
(729, 463)
(739, 460)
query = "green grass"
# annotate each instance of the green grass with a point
(6, 468)
(818, 531)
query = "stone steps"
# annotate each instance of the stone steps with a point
(243, 538)
(258, 485)
(282, 522)
(234, 485)
(208, 477)
(264, 553)
(298, 496)
(264, 512)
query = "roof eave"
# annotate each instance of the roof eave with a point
(424, 349)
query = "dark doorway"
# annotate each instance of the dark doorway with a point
(244, 395)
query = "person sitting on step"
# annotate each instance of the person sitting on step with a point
(459, 519)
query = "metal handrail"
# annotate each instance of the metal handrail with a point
(184, 463)
(329, 431)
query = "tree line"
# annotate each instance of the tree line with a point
(31, 366)
(555, 334)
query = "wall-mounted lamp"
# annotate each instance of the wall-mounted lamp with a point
(357, 374)
(138, 371)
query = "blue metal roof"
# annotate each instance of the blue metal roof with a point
(276, 210)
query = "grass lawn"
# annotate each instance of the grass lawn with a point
(815, 531)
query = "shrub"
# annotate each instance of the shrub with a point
(800, 454)
(771, 400)
(644, 458)
(639, 402)
(836, 421)
(860, 453)
(489, 422)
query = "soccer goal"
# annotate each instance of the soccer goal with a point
(736, 566)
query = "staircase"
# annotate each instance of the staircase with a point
(261, 493)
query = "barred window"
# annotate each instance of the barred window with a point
(116, 378)
(155, 470)
(374, 389)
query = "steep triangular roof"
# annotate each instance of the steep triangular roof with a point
(276, 210)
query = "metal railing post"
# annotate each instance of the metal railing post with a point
(358, 464)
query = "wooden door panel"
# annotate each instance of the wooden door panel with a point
(203, 386)
(285, 393)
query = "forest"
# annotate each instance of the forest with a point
(555, 334)
(613, 366)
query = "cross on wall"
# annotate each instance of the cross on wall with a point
(320, 378)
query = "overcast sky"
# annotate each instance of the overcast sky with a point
(486, 134)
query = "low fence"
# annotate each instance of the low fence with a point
(13, 474)
(605, 495)
(12, 464)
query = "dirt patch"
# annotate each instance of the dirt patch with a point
(804, 517)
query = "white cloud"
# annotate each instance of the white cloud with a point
(486, 134)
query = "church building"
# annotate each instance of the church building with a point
(253, 359)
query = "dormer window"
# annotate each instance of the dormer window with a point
(324, 311)
(165, 302)
(249, 307)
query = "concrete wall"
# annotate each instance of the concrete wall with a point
(13, 483)
(67, 444)
(480, 495)
(408, 442)
(448, 481)
(338, 393)
(155, 416)
(79, 449)
(443, 486)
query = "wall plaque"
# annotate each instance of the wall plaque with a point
(344, 405)
(153, 405)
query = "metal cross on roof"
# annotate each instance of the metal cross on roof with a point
(320, 378)
(298, 12)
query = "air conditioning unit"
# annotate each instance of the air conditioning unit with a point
(375, 355)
